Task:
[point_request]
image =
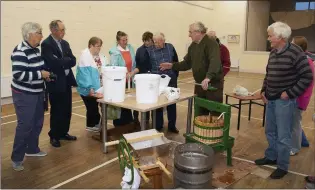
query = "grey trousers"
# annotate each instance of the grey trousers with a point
(29, 110)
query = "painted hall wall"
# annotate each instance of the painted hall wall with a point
(84, 19)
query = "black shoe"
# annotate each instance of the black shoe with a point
(160, 130)
(55, 143)
(173, 130)
(68, 137)
(265, 161)
(278, 174)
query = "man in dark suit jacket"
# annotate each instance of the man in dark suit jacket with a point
(59, 59)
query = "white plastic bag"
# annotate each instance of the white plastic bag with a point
(127, 177)
(240, 91)
(172, 93)
(164, 81)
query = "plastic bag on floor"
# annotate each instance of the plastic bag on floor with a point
(127, 177)
(240, 91)
(113, 112)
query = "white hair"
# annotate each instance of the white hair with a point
(159, 35)
(29, 28)
(280, 30)
(200, 27)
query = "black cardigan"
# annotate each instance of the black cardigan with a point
(143, 60)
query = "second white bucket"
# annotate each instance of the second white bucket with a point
(114, 83)
(147, 88)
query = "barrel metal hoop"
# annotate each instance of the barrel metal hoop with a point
(208, 128)
(192, 172)
(193, 184)
(208, 138)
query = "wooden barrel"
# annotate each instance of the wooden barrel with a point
(208, 129)
(193, 164)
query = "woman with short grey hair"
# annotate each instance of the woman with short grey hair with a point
(27, 93)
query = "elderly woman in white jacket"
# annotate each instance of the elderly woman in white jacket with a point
(89, 80)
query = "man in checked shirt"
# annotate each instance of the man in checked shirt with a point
(159, 53)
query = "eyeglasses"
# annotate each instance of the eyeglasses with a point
(61, 30)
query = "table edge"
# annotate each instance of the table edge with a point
(148, 109)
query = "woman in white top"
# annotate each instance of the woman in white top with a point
(89, 80)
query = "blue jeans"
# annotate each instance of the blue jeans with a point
(305, 142)
(297, 131)
(279, 123)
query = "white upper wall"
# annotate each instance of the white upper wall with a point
(84, 19)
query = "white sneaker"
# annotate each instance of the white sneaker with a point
(17, 166)
(96, 128)
(293, 153)
(39, 154)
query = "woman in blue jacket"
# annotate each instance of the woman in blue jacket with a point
(89, 80)
(123, 54)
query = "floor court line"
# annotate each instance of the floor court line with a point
(11, 142)
(272, 167)
(85, 117)
(44, 115)
(2, 124)
(188, 82)
(252, 162)
(82, 101)
(48, 107)
(115, 159)
(255, 118)
(84, 173)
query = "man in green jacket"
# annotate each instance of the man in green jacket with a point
(203, 58)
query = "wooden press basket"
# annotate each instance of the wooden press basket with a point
(208, 130)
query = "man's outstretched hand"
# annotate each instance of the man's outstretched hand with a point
(165, 66)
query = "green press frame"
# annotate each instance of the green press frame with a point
(227, 142)
(125, 158)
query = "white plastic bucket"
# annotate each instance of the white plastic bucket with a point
(114, 83)
(147, 88)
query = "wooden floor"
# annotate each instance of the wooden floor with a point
(75, 158)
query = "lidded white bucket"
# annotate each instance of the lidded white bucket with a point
(147, 88)
(114, 83)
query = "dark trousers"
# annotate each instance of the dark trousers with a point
(29, 110)
(60, 113)
(92, 111)
(171, 109)
(216, 96)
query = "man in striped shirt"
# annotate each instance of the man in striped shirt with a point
(288, 75)
(27, 93)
